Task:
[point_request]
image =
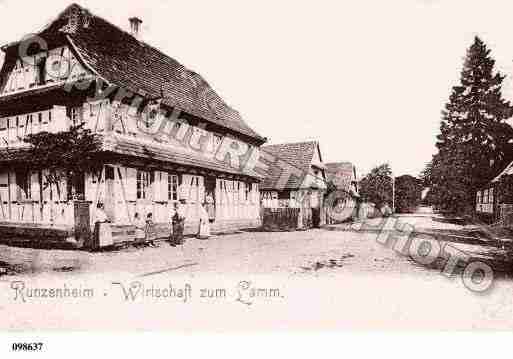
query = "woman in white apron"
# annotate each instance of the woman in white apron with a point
(204, 227)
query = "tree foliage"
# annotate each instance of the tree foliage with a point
(474, 137)
(64, 155)
(376, 186)
(408, 193)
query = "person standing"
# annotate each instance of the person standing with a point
(204, 226)
(140, 230)
(178, 224)
(210, 207)
(102, 234)
(150, 230)
(386, 211)
(171, 215)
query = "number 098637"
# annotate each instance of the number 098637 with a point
(27, 347)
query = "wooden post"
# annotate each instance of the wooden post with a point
(82, 222)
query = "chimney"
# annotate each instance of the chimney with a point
(135, 26)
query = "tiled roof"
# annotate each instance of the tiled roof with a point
(299, 155)
(119, 144)
(342, 168)
(151, 150)
(121, 59)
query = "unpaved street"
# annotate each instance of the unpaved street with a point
(335, 278)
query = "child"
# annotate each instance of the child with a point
(140, 230)
(150, 230)
(178, 224)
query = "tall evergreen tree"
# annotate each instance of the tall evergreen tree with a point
(474, 137)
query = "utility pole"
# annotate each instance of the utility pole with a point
(393, 193)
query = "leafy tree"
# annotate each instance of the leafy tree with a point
(376, 187)
(408, 193)
(474, 137)
(65, 155)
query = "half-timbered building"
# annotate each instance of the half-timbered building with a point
(298, 180)
(164, 130)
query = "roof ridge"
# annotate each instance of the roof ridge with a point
(144, 43)
(293, 143)
(161, 71)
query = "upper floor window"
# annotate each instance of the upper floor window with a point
(217, 141)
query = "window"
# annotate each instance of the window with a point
(485, 196)
(76, 116)
(247, 195)
(172, 187)
(143, 184)
(490, 195)
(217, 141)
(478, 197)
(24, 185)
(94, 109)
(76, 186)
(194, 189)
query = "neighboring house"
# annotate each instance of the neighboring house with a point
(495, 200)
(343, 176)
(305, 189)
(140, 172)
(343, 202)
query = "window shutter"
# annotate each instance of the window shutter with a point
(185, 187)
(59, 119)
(233, 191)
(160, 186)
(34, 178)
(201, 191)
(46, 188)
(155, 185)
(217, 191)
(164, 186)
(131, 184)
(20, 76)
(221, 194)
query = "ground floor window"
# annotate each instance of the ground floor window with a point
(23, 181)
(143, 184)
(172, 187)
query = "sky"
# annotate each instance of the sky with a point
(367, 79)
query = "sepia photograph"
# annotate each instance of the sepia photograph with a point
(251, 167)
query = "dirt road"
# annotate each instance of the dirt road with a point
(317, 279)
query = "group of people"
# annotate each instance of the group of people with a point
(145, 228)
(145, 231)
